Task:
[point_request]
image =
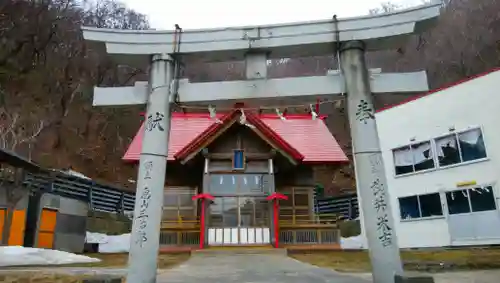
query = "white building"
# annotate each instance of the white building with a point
(443, 164)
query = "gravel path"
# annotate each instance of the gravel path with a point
(254, 268)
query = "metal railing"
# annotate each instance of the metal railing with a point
(309, 236)
(347, 206)
(180, 238)
(99, 196)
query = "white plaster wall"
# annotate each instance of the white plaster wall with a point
(470, 104)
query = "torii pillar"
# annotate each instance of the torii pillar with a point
(370, 173)
(145, 236)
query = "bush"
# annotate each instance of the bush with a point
(350, 228)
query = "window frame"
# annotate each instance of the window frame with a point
(179, 192)
(456, 134)
(243, 160)
(413, 164)
(293, 192)
(468, 189)
(263, 185)
(437, 166)
(421, 218)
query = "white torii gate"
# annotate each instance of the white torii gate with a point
(255, 44)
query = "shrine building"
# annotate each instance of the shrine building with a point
(241, 161)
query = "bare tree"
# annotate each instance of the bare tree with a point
(11, 184)
(47, 67)
(14, 132)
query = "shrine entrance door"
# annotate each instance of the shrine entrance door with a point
(238, 216)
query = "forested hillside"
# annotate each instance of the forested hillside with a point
(47, 73)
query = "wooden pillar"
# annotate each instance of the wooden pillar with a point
(206, 184)
(272, 189)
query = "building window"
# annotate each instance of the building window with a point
(420, 206)
(238, 159)
(239, 211)
(413, 158)
(298, 209)
(471, 200)
(460, 147)
(178, 205)
(447, 150)
(243, 184)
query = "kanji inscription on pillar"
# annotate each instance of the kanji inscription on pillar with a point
(143, 217)
(149, 167)
(155, 122)
(364, 111)
(384, 229)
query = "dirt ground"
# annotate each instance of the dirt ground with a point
(462, 263)
(120, 260)
(483, 276)
(40, 277)
(165, 261)
(425, 261)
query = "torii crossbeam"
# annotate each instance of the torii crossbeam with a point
(252, 92)
(353, 37)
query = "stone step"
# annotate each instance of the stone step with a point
(214, 251)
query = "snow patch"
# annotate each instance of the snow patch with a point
(109, 244)
(96, 238)
(16, 255)
(76, 174)
(353, 243)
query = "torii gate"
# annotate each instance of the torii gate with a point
(255, 44)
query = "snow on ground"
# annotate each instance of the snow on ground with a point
(16, 255)
(109, 244)
(121, 243)
(353, 243)
(96, 238)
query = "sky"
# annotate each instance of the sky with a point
(195, 14)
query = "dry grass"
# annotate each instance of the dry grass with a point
(429, 260)
(120, 261)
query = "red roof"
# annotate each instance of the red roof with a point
(300, 136)
(253, 119)
(440, 89)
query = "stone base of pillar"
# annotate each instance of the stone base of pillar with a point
(413, 278)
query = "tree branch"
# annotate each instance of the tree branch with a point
(36, 133)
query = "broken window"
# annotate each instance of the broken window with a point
(475, 199)
(460, 147)
(482, 199)
(420, 206)
(413, 158)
